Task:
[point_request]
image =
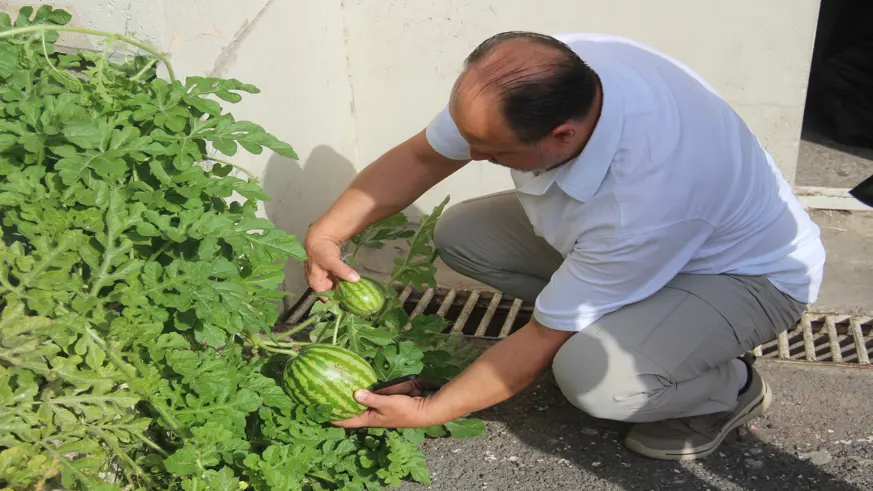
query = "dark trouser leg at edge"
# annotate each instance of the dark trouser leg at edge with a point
(666, 363)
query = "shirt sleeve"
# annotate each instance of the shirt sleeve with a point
(601, 275)
(444, 137)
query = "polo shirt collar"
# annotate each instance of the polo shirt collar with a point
(582, 177)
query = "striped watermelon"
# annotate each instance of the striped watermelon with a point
(362, 298)
(329, 375)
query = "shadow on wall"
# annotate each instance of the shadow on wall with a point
(299, 194)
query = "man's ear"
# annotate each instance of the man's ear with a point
(564, 133)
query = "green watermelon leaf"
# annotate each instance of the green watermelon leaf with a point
(139, 285)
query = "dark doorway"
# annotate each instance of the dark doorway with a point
(836, 149)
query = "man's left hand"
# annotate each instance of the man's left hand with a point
(399, 406)
(495, 376)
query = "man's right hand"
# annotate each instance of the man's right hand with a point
(324, 264)
(390, 184)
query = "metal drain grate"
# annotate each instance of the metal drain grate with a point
(818, 337)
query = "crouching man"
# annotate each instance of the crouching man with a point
(654, 234)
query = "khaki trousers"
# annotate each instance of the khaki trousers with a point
(666, 356)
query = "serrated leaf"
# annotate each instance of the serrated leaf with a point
(398, 360)
(465, 428)
(149, 274)
(164, 342)
(90, 135)
(63, 417)
(80, 446)
(227, 133)
(211, 335)
(7, 141)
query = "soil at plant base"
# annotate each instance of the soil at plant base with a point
(816, 436)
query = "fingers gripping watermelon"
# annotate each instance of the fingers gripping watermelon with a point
(329, 375)
(362, 298)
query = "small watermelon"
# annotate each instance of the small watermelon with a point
(329, 375)
(362, 298)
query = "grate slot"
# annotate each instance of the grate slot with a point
(405, 294)
(447, 303)
(817, 337)
(465, 313)
(489, 314)
(782, 343)
(858, 338)
(833, 341)
(423, 303)
(808, 343)
(510, 318)
(420, 307)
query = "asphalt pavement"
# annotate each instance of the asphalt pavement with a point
(818, 435)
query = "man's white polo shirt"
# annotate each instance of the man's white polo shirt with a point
(672, 181)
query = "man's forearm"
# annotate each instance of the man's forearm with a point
(500, 373)
(387, 186)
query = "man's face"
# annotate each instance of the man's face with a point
(525, 159)
(490, 139)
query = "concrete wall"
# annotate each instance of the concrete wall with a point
(344, 80)
(405, 54)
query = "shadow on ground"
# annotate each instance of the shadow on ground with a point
(542, 420)
(538, 441)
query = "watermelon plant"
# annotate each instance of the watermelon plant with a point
(139, 291)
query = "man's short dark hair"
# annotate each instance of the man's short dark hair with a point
(534, 104)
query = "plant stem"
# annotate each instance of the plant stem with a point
(160, 250)
(65, 462)
(144, 69)
(150, 443)
(53, 67)
(336, 326)
(278, 344)
(289, 352)
(274, 347)
(224, 162)
(110, 252)
(351, 261)
(159, 406)
(43, 27)
(120, 453)
(409, 255)
(297, 328)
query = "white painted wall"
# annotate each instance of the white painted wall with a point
(344, 80)
(405, 55)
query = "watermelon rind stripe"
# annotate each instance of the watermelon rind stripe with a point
(340, 355)
(357, 370)
(306, 370)
(303, 373)
(329, 394)
(297, 382)
(343, 357)
(362, 298)
(359, 375)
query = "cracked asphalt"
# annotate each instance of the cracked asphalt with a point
(818, 435)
